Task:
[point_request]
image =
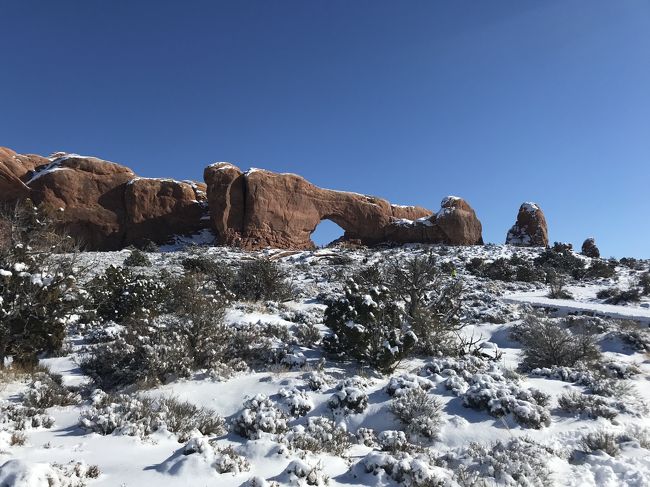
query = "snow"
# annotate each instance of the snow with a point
(566, 306)
(313, 383)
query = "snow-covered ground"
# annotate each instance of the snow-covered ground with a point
(63, 453)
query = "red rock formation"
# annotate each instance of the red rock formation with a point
(260, 209)
(14, 171)
(105, 206)
(530, 229)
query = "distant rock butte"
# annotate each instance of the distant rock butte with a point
(530, 229)
(106, 206)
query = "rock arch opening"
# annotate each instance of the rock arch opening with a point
(326, 232)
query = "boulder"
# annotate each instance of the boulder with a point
(530, 229)
(15, 171)
(589, 248)
(258, 209)
(105, 206)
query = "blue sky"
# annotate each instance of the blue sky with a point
(496, 101)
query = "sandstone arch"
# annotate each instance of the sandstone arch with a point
(259, 208)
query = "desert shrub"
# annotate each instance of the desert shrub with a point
(632, 263)
(418, 411)
(366, 437)
(600, 441)
(137, 258)
(222, 459)
(588, 405)
(398, 386)
(17, 438)
(300, 472)
(432, 300)
(562, 261)
(260, 415)
(261, 279)
(350, 397)
(201, 307)
(119, 294)
(142, 415)
(507, 270)
(556, 283)
(644, 283)
(608, 292)
(393, 441)
(500, 397)
(320, 434)
(38, 293)
(370, 328)
(632, 334)
(317, 381)
(546, 343)
(46, 391)
(308, 335)
(625, 296)
(147, 354)
(406, 469)
(298, 402)
(519, 461)
(217, 272)
(600, 269)
(19, 417)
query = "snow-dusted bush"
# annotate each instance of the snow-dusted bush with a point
(432, 299)
(148, 353)
(405, 383)
(406, 469)
(317, 380)
(298, 402)
(562, 261)
(508, 270)
(546, 343)
(483, 385)
(307, 335)
(519, 461)
(634, 335)
(222, 459)
(119, 294)
(200, 307)
(500, 396)
(586, 404)
(38, 293)
(601, 440)
(350, 396)
(418, 411)
(218, 273)
(320, 434)
(19, 417)
(142, 415)
(366, 437)
(260, 415)
(137, 258)
(47, 390)
(303, 472)
(261, 280)
(368, 327)
(393, 441)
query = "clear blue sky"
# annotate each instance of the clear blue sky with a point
(499, 102)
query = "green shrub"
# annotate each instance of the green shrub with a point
(137, 258)
(261, 279)
(368, 327)
(545, 344)
(119, 294)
